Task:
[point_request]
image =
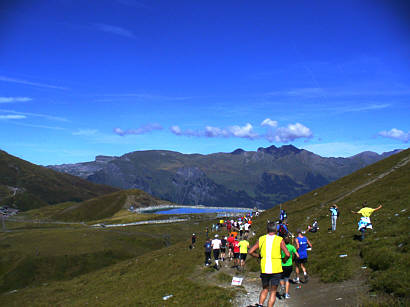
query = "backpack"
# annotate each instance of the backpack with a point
(282, 231)
(338, 212)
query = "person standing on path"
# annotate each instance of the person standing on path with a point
(243, 250)
(270, 246)
(287, 266)
(216, 247)
(334, 212)
(302, 244)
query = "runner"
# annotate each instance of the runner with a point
(243, 250)
(283, 215)
(228, 226)
(230, 240)
(282, 229)
(216, 246)
(223, 248)
(287, 266)
(236, 252)
(302, 244)
(270, 247)
(208, 250)
(334, 211)
(246, 227)
(365, 222)
(193, 240)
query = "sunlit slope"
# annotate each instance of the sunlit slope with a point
(29, 186)
(102, 207)
(384, 251)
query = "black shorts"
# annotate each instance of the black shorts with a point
(287, 270)
(236, 255)
(243, 256)
(300, 261)
(216, 254)
(270, 279)
(223, 249)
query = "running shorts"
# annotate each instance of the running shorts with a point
(236, 255)
(243, 256)
(216, 254)
(270, 279)
(287, 270)
(299, 261)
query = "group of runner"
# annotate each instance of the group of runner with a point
(275, 250)
(233, 247)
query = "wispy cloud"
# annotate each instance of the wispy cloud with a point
(212, 132)
(12, 116)
(314, 92)
(114, 30)
(86, 132)
(35, 84)
(36, 126)
(396, 134)
(14, 99)
(141, 130)
(49, 117)
(143, 96)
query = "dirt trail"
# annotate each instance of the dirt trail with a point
(314, 293)
(400, 164)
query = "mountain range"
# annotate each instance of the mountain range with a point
(241, 178)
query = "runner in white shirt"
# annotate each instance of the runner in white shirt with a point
(246, 226)
(216, 246)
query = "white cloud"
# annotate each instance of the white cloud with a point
(12, 116)
(141, 130)
(114, 30)
(243, 132)
(289, 133)
(36, 84)
(269, 122)
(396, 134)
(212, 132)
(14, 99)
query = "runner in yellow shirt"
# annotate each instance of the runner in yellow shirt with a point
(243, 249)
(367, 211)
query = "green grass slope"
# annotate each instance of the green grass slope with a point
(385, 250)
(37, 186)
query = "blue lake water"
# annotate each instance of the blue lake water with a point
(189, 210)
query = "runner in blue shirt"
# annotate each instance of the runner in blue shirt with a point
(302, 244)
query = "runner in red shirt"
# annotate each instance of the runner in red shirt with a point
(230, 240)
(236, 252)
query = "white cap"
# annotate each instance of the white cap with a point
(216, 236)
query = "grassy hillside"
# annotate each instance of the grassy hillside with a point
(384, 251)
(36, 186)
(79, 265)
(102, 207)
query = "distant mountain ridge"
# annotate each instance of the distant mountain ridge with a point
(241, 178)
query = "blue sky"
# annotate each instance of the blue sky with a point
(83, 78)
